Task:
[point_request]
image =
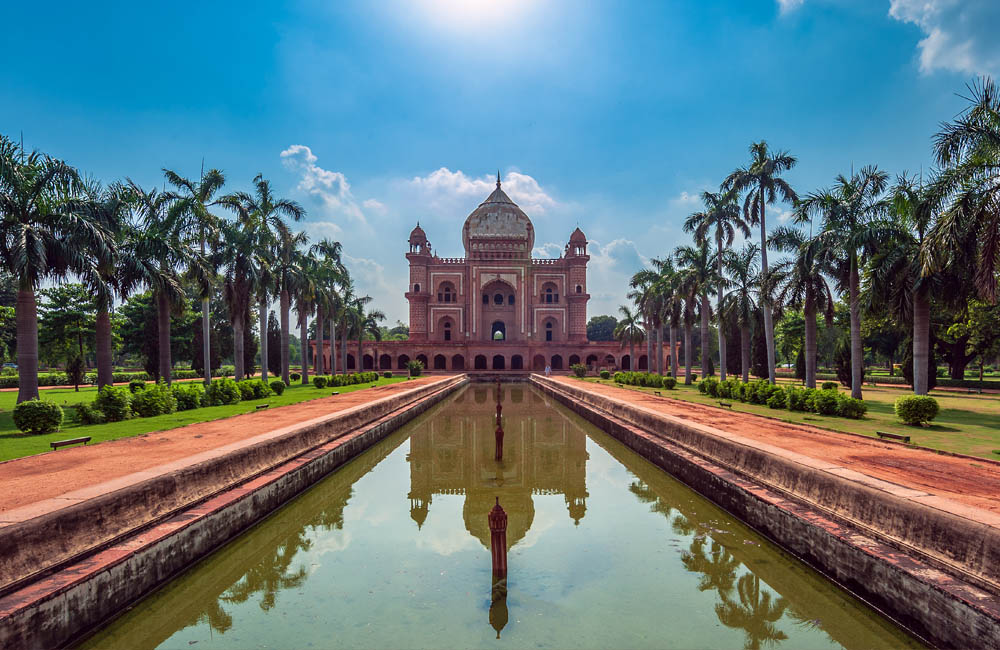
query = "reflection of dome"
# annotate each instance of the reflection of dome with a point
(499, 227)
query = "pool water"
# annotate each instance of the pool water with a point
(605, 550)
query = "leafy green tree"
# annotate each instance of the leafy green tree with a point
(601, 328)
(741, 303)
(628, 331)
(697, 268)
(762, 184)
(67, 316)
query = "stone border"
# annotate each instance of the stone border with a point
(941, 606)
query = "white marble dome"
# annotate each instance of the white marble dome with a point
(498, 226)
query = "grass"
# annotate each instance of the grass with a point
(14, 444)
(966, 424)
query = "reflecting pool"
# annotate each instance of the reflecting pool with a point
(604, 550)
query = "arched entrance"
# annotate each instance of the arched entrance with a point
(458, 362)
(573, 360)
(591, 361)
(350, 362)
(516, 362)
(556, 362)
(498, 331)
(643, 362)
(480, 362)
(538, 363)
(422, 358)
(499, 362)
(367, 362)
(402, 361)
(609, 361)
(439, 362)
(385, 362)
(626, 362)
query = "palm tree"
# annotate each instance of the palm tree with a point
(329, 272)
(853, 223)
(628, 330)
(287, 272)
(644, 295)
(194, 200)
(696, 265)
(305, 304)
(741, 303)
(367, 322)
(720, 219)
(968, 188)
(44, 234)
(239, 279)
(801, 282)
(762, 182)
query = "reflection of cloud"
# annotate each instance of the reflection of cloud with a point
(331, 542)
(960, 35)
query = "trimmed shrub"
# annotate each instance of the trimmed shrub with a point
(711, 386)
(294, 376)
(319, 382)
(387, 374)
(246, 390)
(277, 386)
(851, 407)
(796, 399)
(669, 383)
(916, 409)
(222, 391)
(777, 400)
(605, 374)
(86, 413)
(415, 368)
(38, 416)
(828, 385)
(136, 385)
(189, 395)
(115, 402)
(825, 402)
(579, 370)
(155, 400)
(336, 380)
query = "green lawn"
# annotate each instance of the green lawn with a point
(14, 444)
(967, 424)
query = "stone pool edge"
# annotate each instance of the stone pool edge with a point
(937, 606)
(60, 609)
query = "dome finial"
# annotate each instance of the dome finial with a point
(498, 179)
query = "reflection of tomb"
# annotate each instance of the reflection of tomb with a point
(543, 453)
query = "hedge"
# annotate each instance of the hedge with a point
(759, 391)
(156, 399)
(648, 379)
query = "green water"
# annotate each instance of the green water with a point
(605, 551)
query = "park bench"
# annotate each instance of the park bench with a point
(893, 436)
(726, 404)
(72, 441)
(657, 393)
(261, 406)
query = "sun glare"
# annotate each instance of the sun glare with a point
(470, 14)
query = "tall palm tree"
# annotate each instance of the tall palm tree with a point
(44, 234)
(194, 200)
(741, 303)
(762, 182)
(853, 212)
(367, 322)
(720, 220)
(644, 295)
(305, 304)
(968, 189)
(629, 331)
(288, 276)
(800, 281)
(239, 280)
(329, 272)
(696, 265)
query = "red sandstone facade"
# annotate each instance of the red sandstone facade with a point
(497, 308)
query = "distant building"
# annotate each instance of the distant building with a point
(497, 308)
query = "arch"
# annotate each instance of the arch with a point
(422, 358)
(579, 288)
(550, 293)
(367, 362)
(510, 300)
(591, 360)
(556, 362)
(401, 362)
(486, 299)
(439, 362)
(350, 362)
(643, 362)
(626, 362)
(517, 362)
(385, 362)
(416, 288)
(446, 292)
(549, 326)
(480, 362)
(499, 363)
(447, 330)
(458, 362)
(574, 359)
(498, 327)
(445, 326)
(609, 361)
(538, 362)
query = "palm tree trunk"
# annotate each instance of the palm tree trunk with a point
(687, 352)
(745, 351)
(705, 338)
(649, 344)
(357, 361)
(810, 345)
(718, 314)
(206, 334)
(857, 358)
(318, 359)
(303, 334)
(163, 327)
(765, 305)
(632, 365)
(105, 371)
(657, 350)
(921, 342)
(673, 352)
(343, 349)
(26, 315)
(263, 337)
(239, 350)
(285, 307)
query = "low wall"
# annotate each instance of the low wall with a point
(841, 525)
(96, 516)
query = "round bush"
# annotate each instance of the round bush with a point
(824, 402)
(189, 395)
(154, 400)
(86, 413)
(277, 386)
(136, 385)
(669, 383)
(605, 374)
(851, 407)
(246, 389)
(777, 400)
(38, 416)
(294, 376)
(387, 374)
(319, 382)
(415, 368)
(579, 370)
(916, 409)
(115, 402)
(829, 385)
(796, 399)
(222, 391)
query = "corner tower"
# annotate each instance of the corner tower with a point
(576, 291)
(419, 291)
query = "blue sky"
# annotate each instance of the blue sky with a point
(608, 115)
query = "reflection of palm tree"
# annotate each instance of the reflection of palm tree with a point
(218, 618)
(681, 525)
(718, 568)
(271, 575)
(755, 614)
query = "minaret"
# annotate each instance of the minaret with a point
(419, 291)
(576, 289)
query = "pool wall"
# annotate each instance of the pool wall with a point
(930, 570)
(55, 609)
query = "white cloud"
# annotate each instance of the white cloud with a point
(786, 6)
(329, 189)
(960, 35)
(442, 187)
